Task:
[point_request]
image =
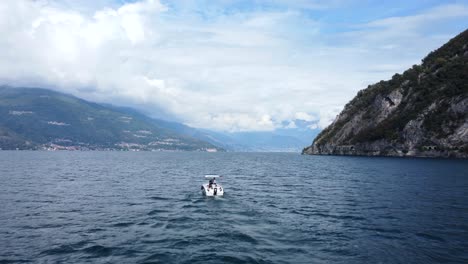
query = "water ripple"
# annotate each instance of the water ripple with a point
(106, 207)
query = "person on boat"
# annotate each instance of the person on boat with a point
(212, 181)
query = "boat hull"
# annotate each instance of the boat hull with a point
(214, 190)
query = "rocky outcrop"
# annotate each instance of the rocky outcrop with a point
(422, 112)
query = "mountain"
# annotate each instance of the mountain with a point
(35, 118)
(279, 140)
(422, 112)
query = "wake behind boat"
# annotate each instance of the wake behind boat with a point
(212, 188)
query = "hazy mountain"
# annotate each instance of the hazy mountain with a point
(278, 140)
(422, 112)
(289, 140)
(34, 118)
(282, 140)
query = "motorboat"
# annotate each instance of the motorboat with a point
(212, 188)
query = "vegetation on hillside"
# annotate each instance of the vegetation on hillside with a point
(428, 92)
(33, 117)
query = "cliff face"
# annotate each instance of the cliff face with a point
(422, 112)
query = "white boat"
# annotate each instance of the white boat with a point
(212, 188)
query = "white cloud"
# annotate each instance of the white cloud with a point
(305, 116)
(407, 23)
(291, 125)
(237, 71)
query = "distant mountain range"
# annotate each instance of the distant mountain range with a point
(37, 118)
(34, 118)
(280, 140)
(422, 112)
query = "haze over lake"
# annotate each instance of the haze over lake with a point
(146, 207)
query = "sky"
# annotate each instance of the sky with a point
(223, 65)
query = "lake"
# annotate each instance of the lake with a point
(147, 207)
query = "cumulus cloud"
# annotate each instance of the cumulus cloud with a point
(291, 125)
(305, 116)
(247, 69)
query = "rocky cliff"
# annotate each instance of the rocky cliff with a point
(422, 112)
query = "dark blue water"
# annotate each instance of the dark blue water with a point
(109, 207)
